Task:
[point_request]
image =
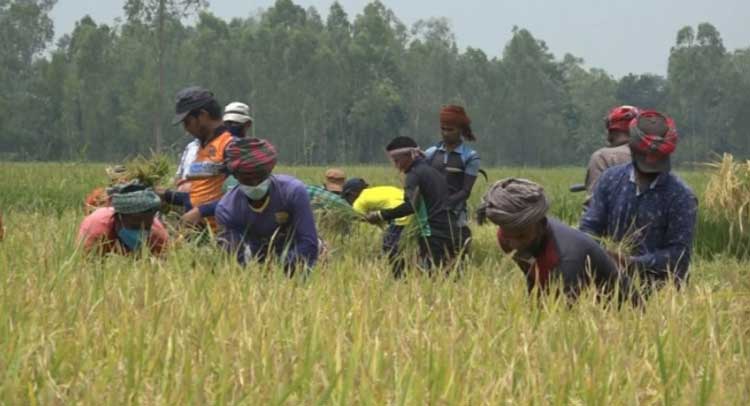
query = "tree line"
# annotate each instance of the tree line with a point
(336, 89)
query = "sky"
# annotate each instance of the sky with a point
(598, 31)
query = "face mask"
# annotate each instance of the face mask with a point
(132, 237)
(256, 192)
(236, 130)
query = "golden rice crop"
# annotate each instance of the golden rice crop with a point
(728, 192)
(196, 328)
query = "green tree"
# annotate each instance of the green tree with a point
(695, 91)
(157, 14)
(26, 30)
(534, 119)
(590, 93)
(646, 91)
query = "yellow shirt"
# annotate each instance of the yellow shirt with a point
(379, 198)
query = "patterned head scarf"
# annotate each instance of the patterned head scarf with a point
(133, 198)
(456, 116)
(250, 156)
(513, 203)
(619, 118)
(653, 138)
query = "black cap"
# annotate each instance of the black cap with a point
(354, 185)
(190, 99)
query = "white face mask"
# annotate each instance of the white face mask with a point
(256, 192)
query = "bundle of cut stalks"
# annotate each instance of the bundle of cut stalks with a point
(336, 221)
(728, 192)
(148, 171)
(151, 171)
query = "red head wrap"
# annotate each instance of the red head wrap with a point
(619, 118)
(653, 138)
(456, 116)
(251, 156)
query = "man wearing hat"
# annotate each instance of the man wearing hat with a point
(546, 250)
(126, 225)
(366, 199)
(334, 180)
(265, 215)
(200, 115)
(617, 152)
(237, 119)
(645, 203)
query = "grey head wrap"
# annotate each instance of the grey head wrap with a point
(513, 203)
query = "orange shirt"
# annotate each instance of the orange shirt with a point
(209, 189)
(98, 232)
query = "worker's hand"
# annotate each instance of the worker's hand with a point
(373, 217)
(622, 261)
(184, 186)
(192, 218)
(160, 191)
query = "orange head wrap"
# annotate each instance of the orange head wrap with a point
(456, 116)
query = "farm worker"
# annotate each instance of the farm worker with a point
(265, 213)
(200, 115)
(456, 161)
(320, 198)
(546, 250)
(237, 119)
(98, 197)
(127, 224)
(644, 203)
(365, 199)
(617, 152)
(334, 180)
(426, 196)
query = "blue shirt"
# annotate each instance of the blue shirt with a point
(469, 157)
(660, 220)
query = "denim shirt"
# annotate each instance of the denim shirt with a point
(660, 221)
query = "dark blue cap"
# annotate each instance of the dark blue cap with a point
(190, 99)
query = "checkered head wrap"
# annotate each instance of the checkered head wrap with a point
(132, 198)
(653, 134)
(250, 156)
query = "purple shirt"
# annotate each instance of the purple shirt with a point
(250, 233)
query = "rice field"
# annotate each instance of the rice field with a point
(196, 328)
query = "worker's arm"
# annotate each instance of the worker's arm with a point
(463, 194)
(411, 196)
(471, 171)
(675, 254)
(305, 250)
(594, 220)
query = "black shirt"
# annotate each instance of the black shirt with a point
(578, 261)
(426, 185)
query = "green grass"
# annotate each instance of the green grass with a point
(195, 328)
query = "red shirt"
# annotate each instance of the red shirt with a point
(98, 231)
